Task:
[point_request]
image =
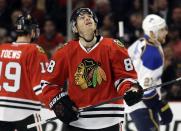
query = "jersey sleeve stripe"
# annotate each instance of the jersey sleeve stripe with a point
(37, 89)
(125, 80)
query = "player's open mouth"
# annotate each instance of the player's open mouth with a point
(88, 23)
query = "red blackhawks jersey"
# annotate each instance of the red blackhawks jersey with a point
(91, 77)
(21, 67)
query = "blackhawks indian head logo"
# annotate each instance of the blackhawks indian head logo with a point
(89, 74)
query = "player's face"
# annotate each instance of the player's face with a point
(85, 23)
(162, 33)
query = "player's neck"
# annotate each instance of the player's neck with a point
(152, 40)
(23, 39)
(88, 44)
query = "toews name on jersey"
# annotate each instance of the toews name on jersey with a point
(11, 54)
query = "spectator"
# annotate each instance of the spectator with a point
(169, 68)
(3, 35)
(174, 91)
(14, 15)
(175, 41)
(109, 27)
(102, 8)
(121, 8)
(133, 30)
(4, 14)
(50, 39)
(57, 10)
(161, 8)
(80, 3)
(29, 6)
(176, 17)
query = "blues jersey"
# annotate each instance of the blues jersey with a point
(148, 61)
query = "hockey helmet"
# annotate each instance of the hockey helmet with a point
(25, 24)
(153, 23)
(80, 11)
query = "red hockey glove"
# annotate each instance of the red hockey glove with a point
(133, 95)
(64, 108)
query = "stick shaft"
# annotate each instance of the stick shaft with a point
(106, 102)
(102, 103)
(121, 97)
(163, 84)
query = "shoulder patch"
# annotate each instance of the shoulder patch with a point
(40, 49)
(152, 58)
(119, 43)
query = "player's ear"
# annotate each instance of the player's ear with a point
(152, 35)
(95, 25)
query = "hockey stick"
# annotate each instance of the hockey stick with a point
(163, 84)
(121, 97)
(105, 102)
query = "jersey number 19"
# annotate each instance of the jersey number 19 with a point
(12, 71)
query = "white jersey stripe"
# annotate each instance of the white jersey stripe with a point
(19, 105)
(18, 99)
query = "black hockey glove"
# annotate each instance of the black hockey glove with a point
(161, 107)
(133, 95)
(64, 108)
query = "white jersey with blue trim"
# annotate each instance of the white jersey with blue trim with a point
(148, 61)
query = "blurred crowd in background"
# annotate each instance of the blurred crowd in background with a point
(51, 16)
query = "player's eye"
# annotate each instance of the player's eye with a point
(81, 17)
(90, 16)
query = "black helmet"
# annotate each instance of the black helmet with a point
(25, 24)
(79, 11)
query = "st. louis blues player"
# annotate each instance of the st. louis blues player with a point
(148, 60)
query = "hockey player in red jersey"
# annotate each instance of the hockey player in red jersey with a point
(22, 64)
(91, 65)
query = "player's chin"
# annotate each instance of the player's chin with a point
(92, 29)
(163, 40)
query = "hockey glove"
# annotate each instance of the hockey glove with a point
(160, 107)
(64, 108)
(152, 102)
(133, 95)
(165, 113)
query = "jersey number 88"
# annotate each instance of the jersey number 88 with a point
(128, 64)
